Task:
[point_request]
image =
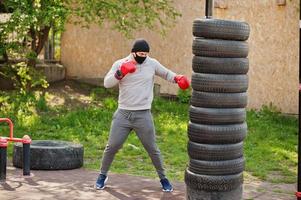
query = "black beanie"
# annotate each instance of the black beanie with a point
(140, 45)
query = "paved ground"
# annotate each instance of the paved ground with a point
(78, 185)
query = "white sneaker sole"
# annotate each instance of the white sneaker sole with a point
(98, 188)
(167, 190)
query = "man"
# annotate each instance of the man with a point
(135, 76)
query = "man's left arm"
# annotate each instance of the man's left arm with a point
(172, 77)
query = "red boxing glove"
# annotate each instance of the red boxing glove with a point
(125, 68)
(182, 81)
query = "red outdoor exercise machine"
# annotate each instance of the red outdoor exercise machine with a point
(3, 150)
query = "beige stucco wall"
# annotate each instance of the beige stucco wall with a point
(274, 48)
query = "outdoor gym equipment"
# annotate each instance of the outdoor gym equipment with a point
(3, 150)
(217, 111)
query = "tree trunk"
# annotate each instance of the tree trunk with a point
(37, 44)
(32, 61)
(42, 38)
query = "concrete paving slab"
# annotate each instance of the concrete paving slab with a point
(78, 184)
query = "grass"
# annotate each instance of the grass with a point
(84, 115)
(271, 145)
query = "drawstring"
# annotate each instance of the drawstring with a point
(129, 116)
(128, 113)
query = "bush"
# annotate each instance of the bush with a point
(184, 95)
(24, 77)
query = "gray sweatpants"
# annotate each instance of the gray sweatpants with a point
(141, 122)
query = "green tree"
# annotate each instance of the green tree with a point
(24, 33)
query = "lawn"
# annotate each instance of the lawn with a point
(81, 113)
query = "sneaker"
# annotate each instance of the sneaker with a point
(166, 186)
(101, 181)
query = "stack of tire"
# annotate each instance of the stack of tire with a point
(217, 111)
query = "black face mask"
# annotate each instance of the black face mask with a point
(139, 59)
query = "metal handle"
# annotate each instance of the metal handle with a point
(11, 126)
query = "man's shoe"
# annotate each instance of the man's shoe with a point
(101, 181)
(166, 186)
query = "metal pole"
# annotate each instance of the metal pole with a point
(53, 44)
(3, 155)
(299, 139)
(209, 9)
(299, 147)
(26, 159)
(26, 155)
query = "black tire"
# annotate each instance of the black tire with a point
(218, 100)
(221, 29)
(235, 194)
(226, 167)
(219, 83)
(218, 116)
(217, 134)
(50, 155)
(212, 65)
(220, 48)
(214, 152)
(213, 183)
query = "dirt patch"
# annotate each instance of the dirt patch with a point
(255, 188)
(68, 93)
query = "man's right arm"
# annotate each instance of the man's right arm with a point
(110, 79)
(118, 72)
